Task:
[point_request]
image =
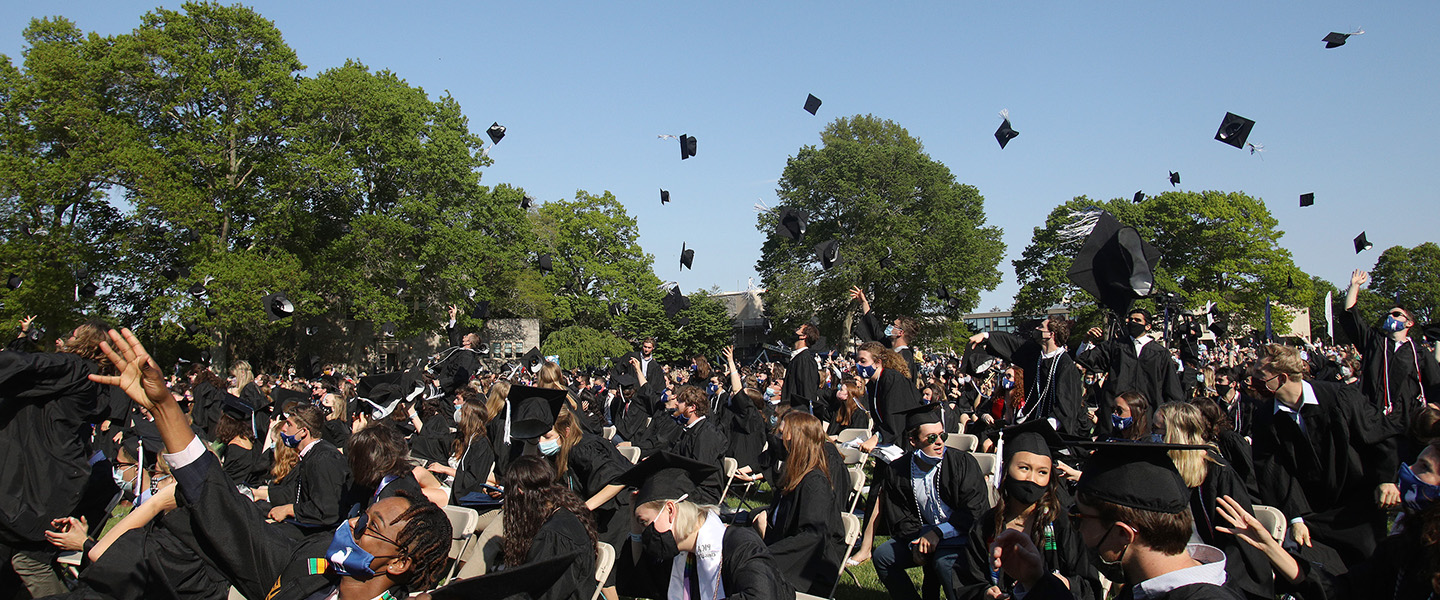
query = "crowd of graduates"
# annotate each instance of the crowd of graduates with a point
(1045, 463)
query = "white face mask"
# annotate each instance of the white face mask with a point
(457, 414)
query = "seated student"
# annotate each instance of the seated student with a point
(745, 428)
(849, 413)
(802, 525)
(931, 503)
(243, 461)
(700, 440)
(379, 467)
(590, 467)
(322, 475)
(397, 544)
(337, 419)
(679, 549)
(543, 519)
(1131, 419)
(469, 467)
(1034, 503)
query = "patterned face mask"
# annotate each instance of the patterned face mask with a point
(1415, 494)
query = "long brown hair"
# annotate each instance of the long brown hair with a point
(1139, 412)
(1047, 508)
(471, 426)
(851, 404)
(806, 446)
(570, 434)
(532, 495)
(888, 358)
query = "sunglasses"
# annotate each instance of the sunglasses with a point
(362, 528)
(930, 439)
(1397, 314)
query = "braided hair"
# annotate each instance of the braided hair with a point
(425, 539)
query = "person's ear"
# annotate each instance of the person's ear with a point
(1127, 533)
(398, 566)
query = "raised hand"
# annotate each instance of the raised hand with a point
(140, 378)
(1359, 278)
(1245, 526)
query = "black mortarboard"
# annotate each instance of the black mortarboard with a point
(532, 360)
(664, 197)
(388, 329)
(792, 223)
(14, 282)
(1115, 265)
(687, 146)
(211, 312)
(175, 271)
(545, 263)
(1174, 178)
(1035, 436)
(496, 132)
(235, 407)
(369, 385)
(281, 395)
(197, 290)
(1139, 197)
(481, 310)
(812, 104)
(921, 415)
(400, 286)
(1335, 39)
(533, 410)
(526, 201)
(1234, 130)
(192, 329)
(1307, 199)
(525, 582)
(942, 293)
(687, 256)
(977, 362)
(277, 306)
(311, 330)
(674, 302)
(888, 261)
(665, 476)
(88, 290)
(1004, 134)
(1362, 244)
(828, 254)
(1135, 475)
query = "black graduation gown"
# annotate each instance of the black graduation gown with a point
(158, 560)
(434, 440)
(505, 452)
(747, 570)
(1246, 568)
(704, 442)
(801, 387)
(889, 398)
(1407, 379)
(1329, 475)
(245, 465)
(323, 477)
(1069, 556)
(1397, 571)
(1151, 373)
(860, 419)
(337, 432)
(207, 407)
(805, 534)
(592, 465)
(662, 434)
(46, 406)
(746, 431)
(561, 535)
(475, 465)
(870, 329)
(1051, 588)
(1057, 376)
(629, 415)
(962, 488)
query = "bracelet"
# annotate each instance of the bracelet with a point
(87, 546)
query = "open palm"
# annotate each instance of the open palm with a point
(139, 377)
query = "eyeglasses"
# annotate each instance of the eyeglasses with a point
(362, 528)
(1076, 517)
(1397, 314)
(930, 439)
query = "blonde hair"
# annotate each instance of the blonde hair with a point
(689, 516)
(495, 402)
(1185, 424)
(550, 377)
(1284, 359)
(243, 374)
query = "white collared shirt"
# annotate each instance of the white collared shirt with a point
(1307, 397)
(1140, 343)
(796, 352)
(1210, 570)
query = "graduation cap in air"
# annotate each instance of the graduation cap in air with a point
(14, 282)
(481, 310)
(687, 256)
(192, 329)
(525, 582)
(87, 290)
(1174, 178)
(977, 362)
(197, 290)
(533, 410)
(311, 330)
(277, 306)
(664, 197)
(175, 271)
(665, 476)
(1139, 197)
(924, 414)
(1035, 436)
(526, 202)
(400, 286)
(1362, 244)
(888, 261)
(792, 223)
(369, 385)
(1234, 130)
(1336, 39)
(674, 302)
(1004, 134)
(1135, 475)
(687, 146)
(545, 263)
(812, 104)
(1114, 264)
(1307, 199)
(532, 360)
(828, 253)
(496, 132)
(388, 329)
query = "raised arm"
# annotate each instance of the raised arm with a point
(735, 385)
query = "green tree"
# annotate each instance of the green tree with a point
(701, 329)
(1410, 277)
(872, 187)
(581, 346)
(1214, 246)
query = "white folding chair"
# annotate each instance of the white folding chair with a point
(852, 456)
(462, 532)
(1273, 519)
(988, 463)
(630, 453)
(963, 442)
(731, 466)
(857, 485)
(608, 432)
(848, 435)
(604, 561)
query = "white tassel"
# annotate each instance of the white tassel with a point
(1005, 114)
(1358, 31)
(1081, 223)
(666, 137)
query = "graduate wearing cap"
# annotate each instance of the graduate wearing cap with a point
(932, 496)
(895, 334)
(1035, 502)
(679, 549)
(1052, 383)
(1132, 362)
(801, 387)
(1400, 376)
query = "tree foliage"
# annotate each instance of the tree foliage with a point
(701, 329)
(1409, 277)
(872, 187)
(581, 346)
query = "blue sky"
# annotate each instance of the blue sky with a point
(1108, 99)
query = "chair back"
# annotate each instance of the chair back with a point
(462, 532)
(989, 463)
(604, 561)
(852, 456)
(852, 434)
(1273, 519)
(963, 442)
(630, 453)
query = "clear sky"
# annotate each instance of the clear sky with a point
(1108, 97)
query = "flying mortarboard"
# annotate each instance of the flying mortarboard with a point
(687, 256)
(1234, 130)
(496, 132)
(674, 302)
(525, 582)
(888, 261)
(534, 410)
(977, 362)
(277, 306)
(197, 290)
(792, 223)
(532, 360)
(665, 476)
(1114, 264)
(175, 271)
(1336, 39)
(1135, 475)
(664, 197)
(1362, 244)
(14, 282)
(1004, 134)
(687, 146)
(545, 263)
(211, 312)
(88, 290)
(526, 202)
(1139, 197)
(1174, 178)
(828, 253)
(388, 329)
(812, 104)
(481, 310)
(1307, 199)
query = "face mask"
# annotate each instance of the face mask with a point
(711, 389)
(865, 371)
(549, 447)
(346, 555)
(1392, 324)
(1200, 377)
(927, 461)
(326, 410)
(1415, 494)
(1113, 571)
(126, 485)
(290, 441)
(1223, 389)
(457, 414)
(1135, 330)
(658, 547)
(890, 331)
(680, 419)
(1121, 422)
(1024, 492)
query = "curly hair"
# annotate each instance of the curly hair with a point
(425, 540)
(888, 358)
(85, 343)
(227, 428)
(532, 494)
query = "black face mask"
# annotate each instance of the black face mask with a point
(778, 451)
(1134, 329)
(1024, 492)
(1222, 389)
(656, 546)
(1114, 571)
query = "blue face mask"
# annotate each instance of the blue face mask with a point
(1415, 494)
(711, 389)
(1121, 422)
(865, 371)
(1007, 383)
(346, 555)
(1392, 324)
(890, 331)
(290, 441)
(127, 485)
(926, 460)
(549, 447)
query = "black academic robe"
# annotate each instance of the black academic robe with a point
(562, 535)
(207, 407)
(323, 476)
(434, 440)
(245, 465)
(801, 387)
(746, 431)
(858, 420)
(661, 434)
(1061, 548)
(870, 329)
(1152, 372)
(747, 570)
(594, 464)
(505, 451)
(1327, 476)
(475, 464)
(1399, 570)
(962, 488)
(158, 560)
(839, 476)
(703, 442)
(46, 406)
(805, 534)
(630, 415)
(337, 432)
(888, 398)
(1246, 568)
(1406, 379)
(1054, 383)
(1051, 588)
